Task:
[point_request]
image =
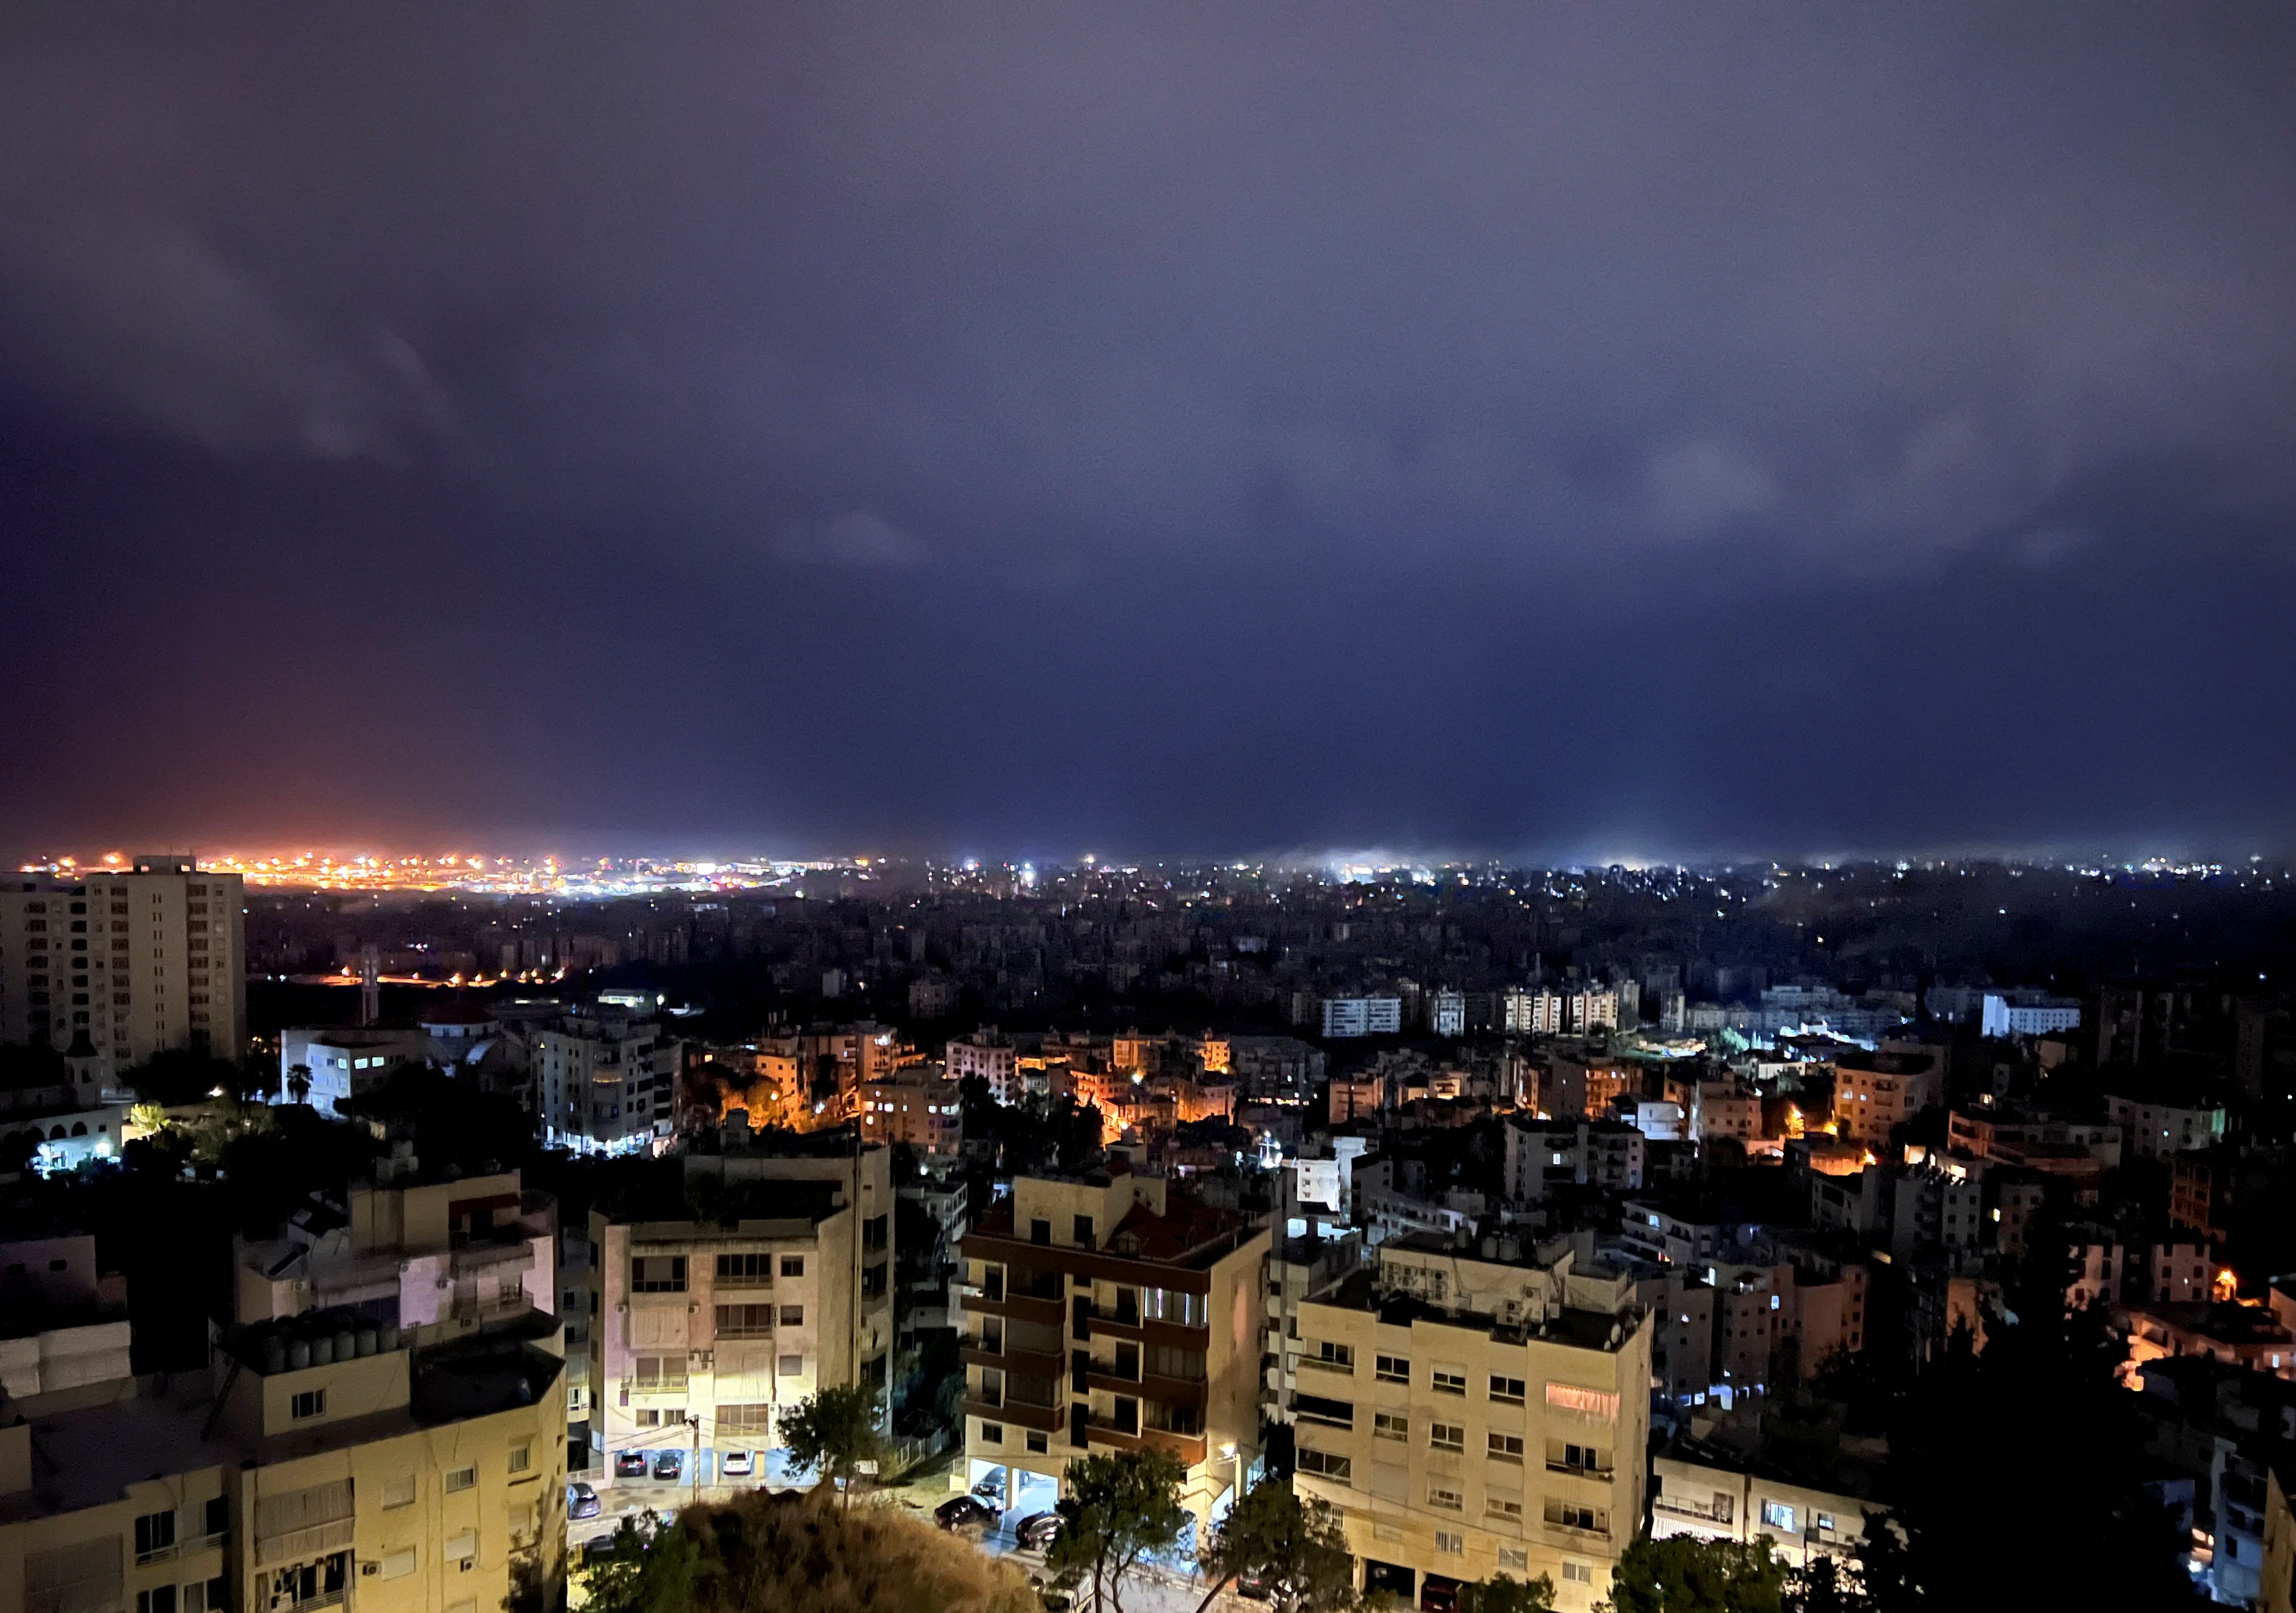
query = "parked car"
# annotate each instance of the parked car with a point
(992, 1487)
(669, 1464)
(738, 1464)
(630, 1464)
(964, 1512)
(1439, 1598)
(582, 1499)
(1036, 1530)
(1251, 1587)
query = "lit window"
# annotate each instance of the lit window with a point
(1777, 1515)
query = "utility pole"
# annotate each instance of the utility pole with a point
(694, 1423)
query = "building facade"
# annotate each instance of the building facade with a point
(1475, 1415)
(1112, 1311)
(140, 961)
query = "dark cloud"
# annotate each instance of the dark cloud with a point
(1174, 429)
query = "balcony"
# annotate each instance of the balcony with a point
(1019, 1306)
(1029, 1363)
(1044, 1420)
(1190, 1448)
(1599, 1474)
(184, 1547)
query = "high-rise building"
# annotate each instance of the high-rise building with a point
(140, 961)
(605, 1082)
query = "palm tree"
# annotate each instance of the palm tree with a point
(298, 1082)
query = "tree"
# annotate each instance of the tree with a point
(1685, 1575)
(651, 1569)
(298, 1082)
(765, 1552)
(834, 1430)
(1120, 1506)
(1296, 1549)
(2062, 1457)
(1820, 1586)
(1503, 1595)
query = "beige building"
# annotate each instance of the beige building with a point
(605, 1082)
(1711, 1493)
(141, 960)
(439, 1258)
(705, 1332)
(1106, 1312)
(319, 1462)
(1873, 1092)
(917, 1105)
(1477, 1416)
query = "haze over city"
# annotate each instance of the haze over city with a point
(1018, 430)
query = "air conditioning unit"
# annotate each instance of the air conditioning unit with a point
(369, 1569)
(467, 1564)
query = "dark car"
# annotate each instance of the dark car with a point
(964, 1512)
(630, 1464)
(1036, 1530)
(669, 1464)
(582, 1499)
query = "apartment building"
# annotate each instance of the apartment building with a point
(1873, 1092)
(705, 1331)
(1353, 1016)
(2161, 1127)
(988, 1055)
(1710, 1493)
(916, 1105)
(327, 1066)
(1542, 1155)
(1473, 1414)
(440, 1256)
(1111, 1312)
(317, 1463)
(1576, 1086)
(140, 959)
(605, 1082)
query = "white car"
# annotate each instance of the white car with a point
(738, 1464)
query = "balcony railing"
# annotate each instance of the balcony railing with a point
(1600, 1475)
(184, 1547)
(1044, 1420)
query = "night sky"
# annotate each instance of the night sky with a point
(1559, 431)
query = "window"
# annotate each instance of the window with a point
(658, 1274)
(1509, 1389)
(745, 1271)
(155, 1536)
(1777, 1515)
(792, 1366)
(792, 1265)
(992, 1432)
(753, 1417)
(1040, 1231)
(1316, 1408)
(1508, 1508)
(659, 1374)
(1339, 1357)
(462, 1478)
(1505, 1447)
(1825, 1522)
(792, 1316)
(650, 1418)
(1578, 1573)
(1571, 1515)
(1586, 1403)
(159, 1598)
(522, 1458)
(1443, 1497)
(744, 1321)
(217, 1517)
(310, 1403)
(1391, 1369)
(1447, 1435)
(1450, 1545)
(1514, 1559)
(1387, 1425)
(1084, 1233)
(1450, 1383)
(398, 1492)
(1040, 1445)
(1325, 1465)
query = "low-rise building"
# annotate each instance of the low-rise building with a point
(1110, 1312)
(917, 1105)
(1472, 1416)
(1711, 1493)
